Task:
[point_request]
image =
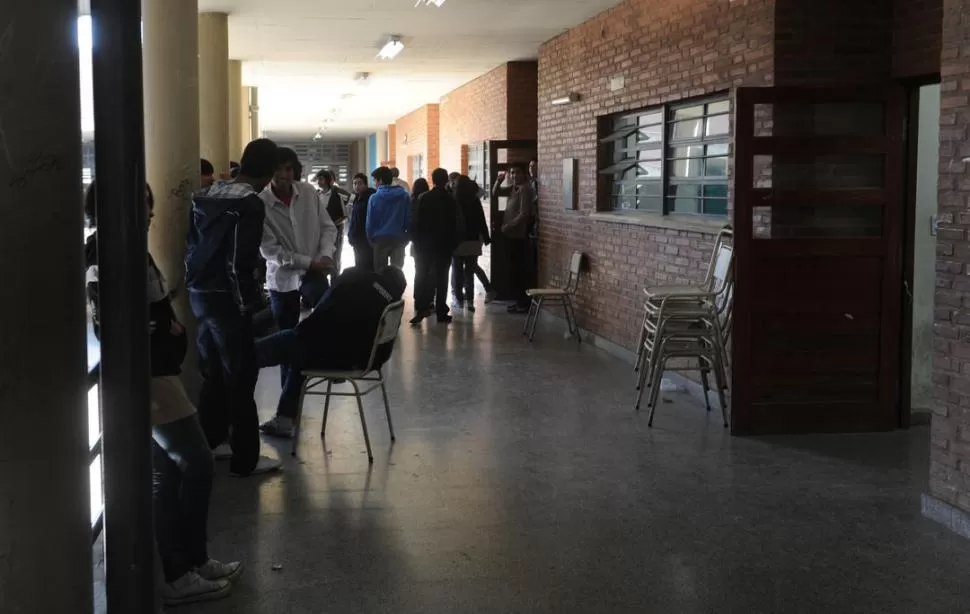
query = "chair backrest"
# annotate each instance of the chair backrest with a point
(387, 329)
(725, 237)
(575, 266)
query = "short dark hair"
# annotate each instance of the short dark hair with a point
(206, 168)
(91, 202)
(284, 156)
(384, 175)
(519, 166)
(362, 177)
(395, 172)
(439, 177)
(420, 187)
(259, 159)
(328, 174)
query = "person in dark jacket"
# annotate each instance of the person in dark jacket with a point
(338, 335)
(419, 189)
(182, 465)
(222, 255)
(357, 224)
(435, 237)
(474, 233)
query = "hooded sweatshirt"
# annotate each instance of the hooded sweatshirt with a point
(222, 248)
(389, 214)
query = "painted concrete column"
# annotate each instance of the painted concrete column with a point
(255, 131)
(382, 146)
(45, 516)
(237, 140)
(171, 81)
(214, 89)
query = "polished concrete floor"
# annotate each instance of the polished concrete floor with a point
(522, 481)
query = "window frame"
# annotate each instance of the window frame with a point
(618, 127)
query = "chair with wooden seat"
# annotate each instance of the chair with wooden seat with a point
(369, 378)
(556, 296)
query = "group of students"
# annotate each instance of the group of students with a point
(262, 215)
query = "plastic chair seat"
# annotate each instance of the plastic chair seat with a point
(546, 292)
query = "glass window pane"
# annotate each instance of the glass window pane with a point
(654, 204)
(716, 190)
(624, 202)
(650, 119)
(715, 206)
(719, 149)
(650, 188)
(688, 112)
(690, 129)
(719, 107)
(686, 168)
(685, 190)
(649, 154)
(651, 169)
(693, 151)
(719, 124)
(650, 134)
(685, 205)
(717, 167)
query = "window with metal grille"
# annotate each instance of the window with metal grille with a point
(478, 164)
(668, 159)
(417, 167)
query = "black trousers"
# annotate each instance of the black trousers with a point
(431, 280)
(518, 260)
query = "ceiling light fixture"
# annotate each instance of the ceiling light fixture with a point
(391, 49)
(362, 78)
(436, 3)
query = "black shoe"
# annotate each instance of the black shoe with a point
(445, 319)
(420, 316)
(517, 309)
(470, 308)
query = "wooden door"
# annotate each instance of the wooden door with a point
(500, 155)
(818, 214)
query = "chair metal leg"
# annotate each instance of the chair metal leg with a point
(706, 385)
(363, 421)
(721, 381)
(299, 418)
(387, 406)
(655, 392)
(535, 317)
(529, 316)
(326, 410)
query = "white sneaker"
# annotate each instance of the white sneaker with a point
(278, 426)
(191, 588)
(222, 452)
(215, 570)
(490, 296)
(263, 465)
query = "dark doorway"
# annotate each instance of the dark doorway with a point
(500, 155)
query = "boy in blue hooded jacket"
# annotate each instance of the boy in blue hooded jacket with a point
(388, 220)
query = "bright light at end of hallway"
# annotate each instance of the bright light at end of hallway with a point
(391, 49)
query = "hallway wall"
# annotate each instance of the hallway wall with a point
(475, 112)
(420, 131)
(667, 50)
(950, 454)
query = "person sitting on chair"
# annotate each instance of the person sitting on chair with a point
(337, 336)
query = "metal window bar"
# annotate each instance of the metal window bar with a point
(94, 376)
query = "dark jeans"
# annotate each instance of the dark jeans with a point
(286, 305)
(283, 348)
(182, 470)
(516, 251)
(364, 257)
(431, 281)
(464, 269)
(228, 360)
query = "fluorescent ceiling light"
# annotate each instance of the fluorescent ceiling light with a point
(571, 97)
(391, 49)
(436, 3)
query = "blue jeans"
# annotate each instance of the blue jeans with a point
(283, 348)
(182, 470)
(286, 308)
(227, 409)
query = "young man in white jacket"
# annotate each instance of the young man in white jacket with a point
(298, 245)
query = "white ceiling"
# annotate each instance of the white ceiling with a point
(303, 54)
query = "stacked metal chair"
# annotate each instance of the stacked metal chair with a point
(691, 324)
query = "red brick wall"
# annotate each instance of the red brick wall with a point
(950, 452)
(917, 37)
(522, 101)
(667, 50)
(391, 145)
(420, 129)
(830, 42)
(473, 113)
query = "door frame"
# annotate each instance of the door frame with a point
(498, 262)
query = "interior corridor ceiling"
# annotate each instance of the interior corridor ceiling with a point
(304, 55)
